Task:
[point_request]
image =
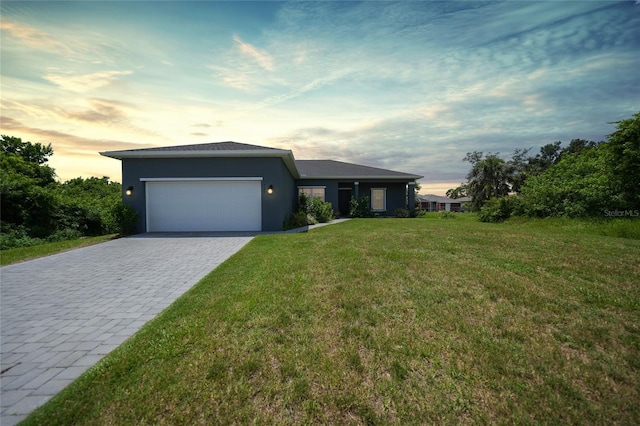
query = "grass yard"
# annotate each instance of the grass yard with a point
(21, 254)
(387, 321)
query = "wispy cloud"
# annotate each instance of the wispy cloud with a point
(261, 57)
(33, 37)
(84, 82)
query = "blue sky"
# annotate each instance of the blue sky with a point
(408, 86)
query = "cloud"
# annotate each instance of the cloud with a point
(84, 82)
(101, 111)
(34, 37)
(65, 143)
(260, 57)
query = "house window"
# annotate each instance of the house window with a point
(312, 191)
(379, 199)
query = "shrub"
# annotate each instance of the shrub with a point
(320, 210)
(298, 219)
(360, 208)
(399, 212)
(417, 212)
(447, 215)
(497, 210)
(122, 218)
(63, 235)
(16, 236)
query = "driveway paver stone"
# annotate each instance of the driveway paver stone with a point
(61, 314)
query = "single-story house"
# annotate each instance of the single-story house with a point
(230, 186)
(436, 203)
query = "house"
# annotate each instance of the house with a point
(230, 186)
(436, 203)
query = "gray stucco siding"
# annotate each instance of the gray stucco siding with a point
(396, 193)
(276, 208)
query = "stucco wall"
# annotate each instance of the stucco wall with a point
(396, 191)
(276, 208)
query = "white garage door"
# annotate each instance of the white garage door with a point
(204, 205)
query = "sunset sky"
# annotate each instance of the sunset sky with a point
(407, 86)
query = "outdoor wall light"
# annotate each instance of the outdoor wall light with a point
(129, 191)
(270, 190)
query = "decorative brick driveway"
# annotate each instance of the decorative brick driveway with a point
(61, 314)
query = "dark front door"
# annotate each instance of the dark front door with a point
(344, 199)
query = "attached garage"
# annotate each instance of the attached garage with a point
(207, 204)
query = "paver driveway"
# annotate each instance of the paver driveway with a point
(61, 314)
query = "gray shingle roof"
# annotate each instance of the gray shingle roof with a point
(305, 169)
(337, 169)
(440, 199)
(215, 146)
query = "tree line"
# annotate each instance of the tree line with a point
(582, 179)
(36, 208)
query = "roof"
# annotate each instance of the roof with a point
(331, 169)
(215, 149)
(300, 169)
(440, 199)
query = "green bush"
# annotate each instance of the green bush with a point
(310, 212)
(447, 215)
(298, 219)
(417, 212)
(399, 212)
(122, 219)
(64, 235)
(360, 208)
(322, 211)
(16, 236)
(497, 210)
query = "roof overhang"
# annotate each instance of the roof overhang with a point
(285, 155)
(406, 178)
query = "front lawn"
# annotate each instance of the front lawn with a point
(387, 321)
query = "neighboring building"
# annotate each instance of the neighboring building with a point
(436, 203)
(230, 186)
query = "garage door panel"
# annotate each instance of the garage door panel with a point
(204, 206)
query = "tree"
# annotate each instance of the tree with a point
(517, 168)
(580, 184)
(624, 145)
(34, 207)
(489, 178)
(549, 155)
(459, 192)
(30, 152)
(25, 200)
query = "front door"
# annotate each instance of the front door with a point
(344, 201)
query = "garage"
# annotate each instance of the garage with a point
(197, 205)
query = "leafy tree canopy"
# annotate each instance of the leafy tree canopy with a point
(30, 152)
(624, 144)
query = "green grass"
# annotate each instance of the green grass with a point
(20, 254)
(387, 321)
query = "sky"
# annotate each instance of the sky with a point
(410, 86)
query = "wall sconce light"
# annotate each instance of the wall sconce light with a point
(270, 190)
(129, 191)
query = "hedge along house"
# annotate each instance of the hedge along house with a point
(230, 186)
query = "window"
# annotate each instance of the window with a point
(378, 199)
(312, 191)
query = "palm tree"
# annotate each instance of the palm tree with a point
(488, 178)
